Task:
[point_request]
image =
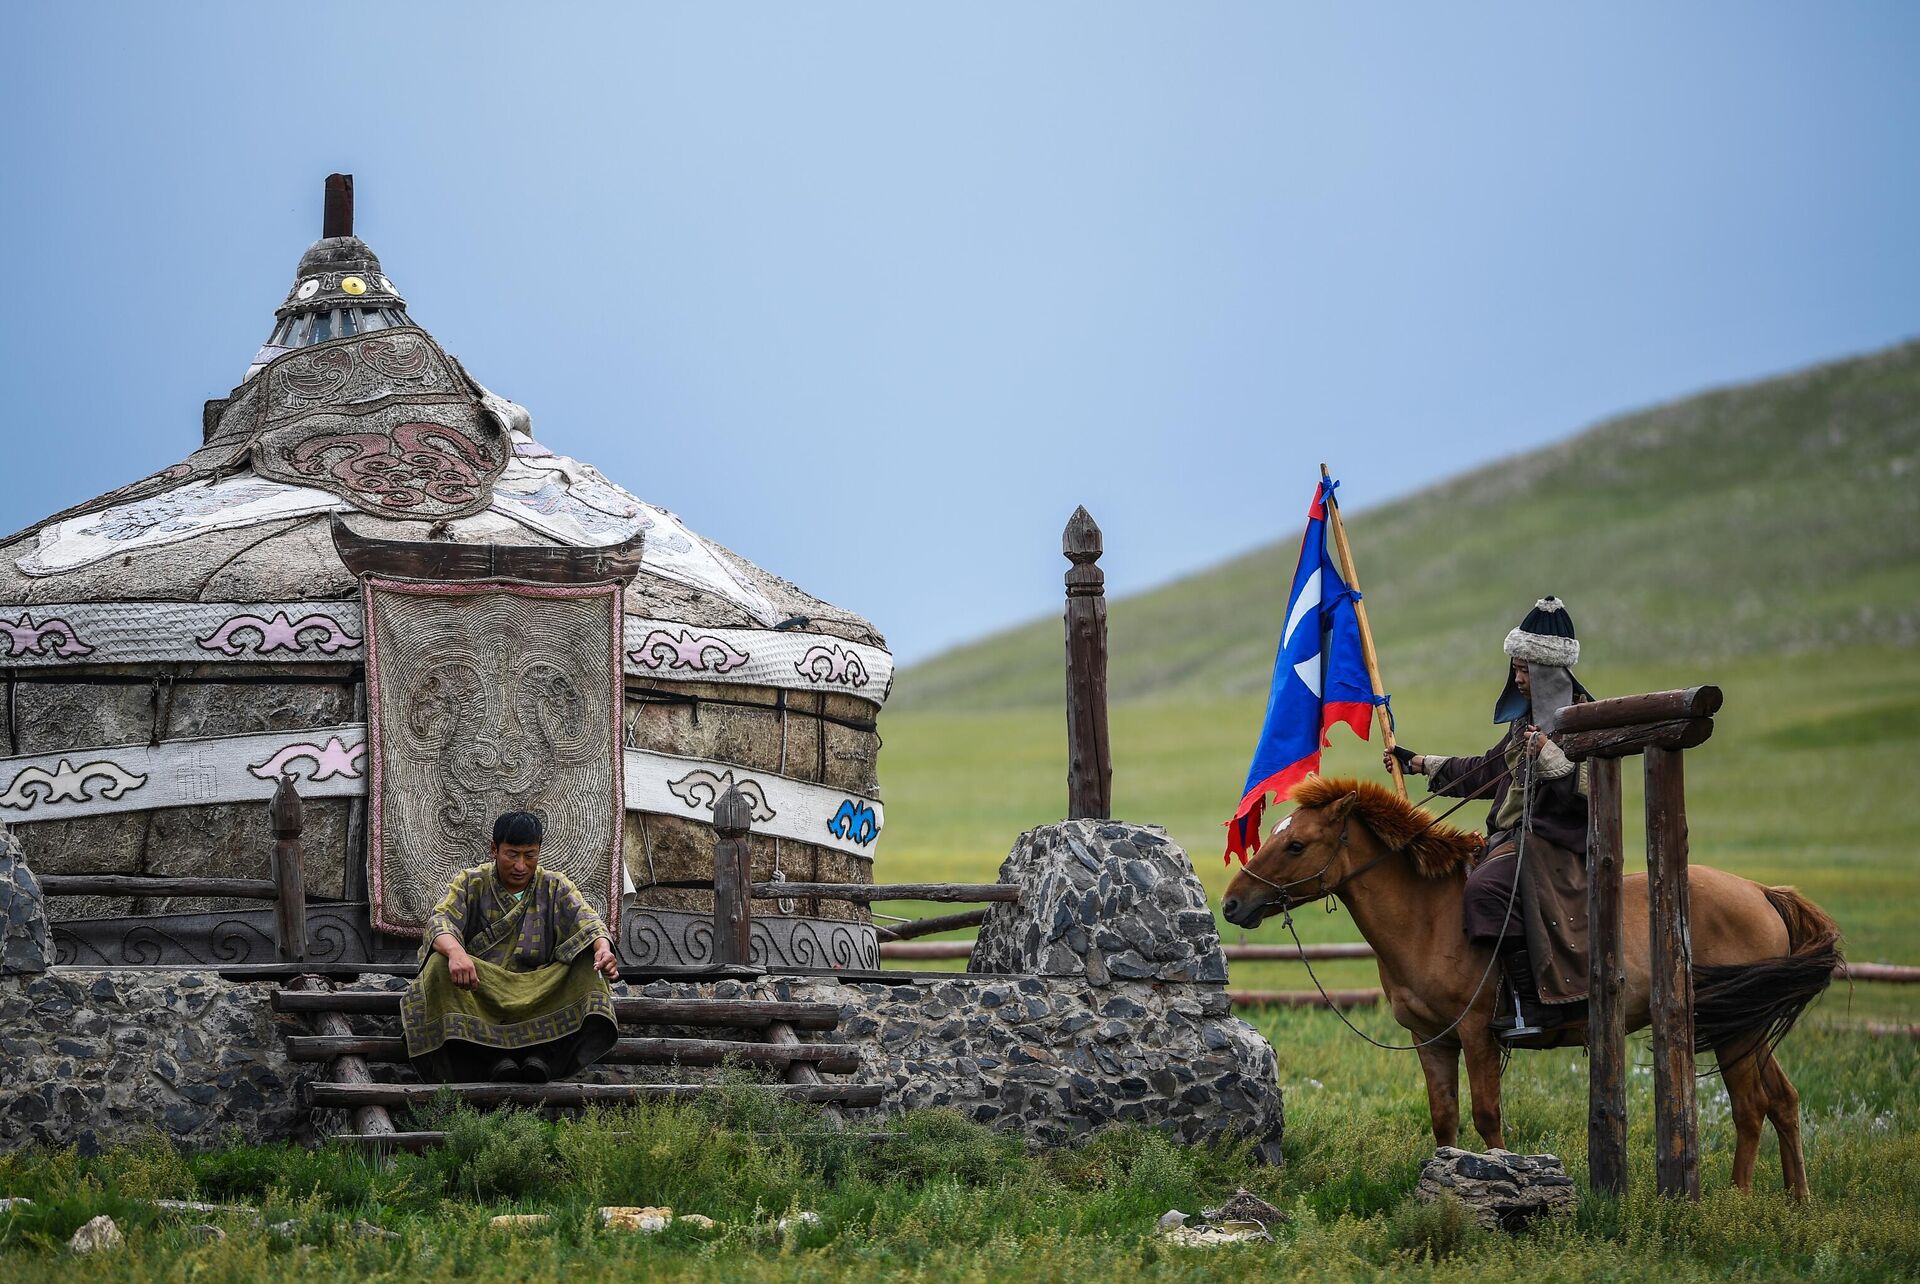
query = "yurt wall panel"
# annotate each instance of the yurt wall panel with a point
(227, 840)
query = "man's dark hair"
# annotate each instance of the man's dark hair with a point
(518, 829)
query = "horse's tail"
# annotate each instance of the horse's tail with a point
(1740, 1007)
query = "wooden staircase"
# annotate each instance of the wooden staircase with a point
(351, 1085)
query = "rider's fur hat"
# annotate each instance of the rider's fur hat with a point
(1545, 641)
(1545, 636)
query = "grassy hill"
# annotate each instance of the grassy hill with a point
(1779, 517)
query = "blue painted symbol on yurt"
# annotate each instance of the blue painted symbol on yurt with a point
(855, 822)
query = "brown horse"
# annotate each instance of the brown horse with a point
(1761, 954)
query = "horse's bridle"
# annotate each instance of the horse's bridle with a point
(1287, 901)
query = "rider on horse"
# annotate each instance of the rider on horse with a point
(1526, 896)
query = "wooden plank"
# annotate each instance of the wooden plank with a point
(287, 817)
(834, 1058)
(631, 1010)
(1636, 710)
(928, 926)
(573, 1094)
(1606, 985)
(868, 892)
(1089, 756)
(1877, 972)
(1676, 1123)
(446, 560)
(428, 1140)
(1304, 998)
(391, 1141)
(244, 889)
(732, 877)
(781, 1038)
(1234, 953)
(1618, 742)
(370, 1119)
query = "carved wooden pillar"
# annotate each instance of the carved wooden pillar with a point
(732, 879)
(1089, 761)
(289, 882)
(1676, 1123)
(1606, 982)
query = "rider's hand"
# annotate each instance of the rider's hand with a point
(603, 961)
(1533, 741)
(1412, 764)
(461, 969)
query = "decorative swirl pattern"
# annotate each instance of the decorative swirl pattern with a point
(672, 938)
(491, 700)
(54, 638)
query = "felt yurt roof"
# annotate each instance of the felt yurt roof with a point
(351, 408)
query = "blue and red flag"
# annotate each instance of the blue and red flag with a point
(1319, 679)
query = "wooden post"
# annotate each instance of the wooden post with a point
(732, 879)
(289, 883)
(1345, 553)
(1606, 983)
(1676, 1125)
(1089, 761)
(368, 1120)
(353, 877)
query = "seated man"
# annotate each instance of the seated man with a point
(1528, 902)
(517, 965)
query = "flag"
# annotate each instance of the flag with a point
(1319, 679)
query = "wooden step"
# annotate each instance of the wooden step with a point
(572, 1094)
(428, 1140)
(834, 1058)
(751, 1014)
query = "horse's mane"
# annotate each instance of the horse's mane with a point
(1436, 849)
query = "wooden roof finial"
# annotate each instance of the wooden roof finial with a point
(339, 210)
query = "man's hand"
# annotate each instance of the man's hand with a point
(1412, 764)
(603, 961)
(461, 969)
(1534, 740)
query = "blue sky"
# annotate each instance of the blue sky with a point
(875, 294)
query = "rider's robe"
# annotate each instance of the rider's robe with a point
(1551, 901)
(538, 994)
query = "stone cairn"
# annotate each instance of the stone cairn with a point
(26, 946)
(1505, 1191)
(1103, 900)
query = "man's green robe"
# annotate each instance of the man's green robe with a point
(538, 994)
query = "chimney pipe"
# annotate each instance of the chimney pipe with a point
(339, 215)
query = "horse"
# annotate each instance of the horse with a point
(1761, 954)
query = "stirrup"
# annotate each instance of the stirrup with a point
(1520, 1028)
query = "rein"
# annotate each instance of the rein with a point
(1287, 905)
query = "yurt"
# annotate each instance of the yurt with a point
(374, 576)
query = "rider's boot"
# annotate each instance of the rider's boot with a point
(1521, 1020)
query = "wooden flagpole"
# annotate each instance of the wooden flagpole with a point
(1366, 632)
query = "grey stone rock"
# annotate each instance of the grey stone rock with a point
(99, 1235)
(1505, 1191)
(26, 944)
(1140, 911)
(1050, 1057)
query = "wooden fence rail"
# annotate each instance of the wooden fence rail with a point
(926, 951)
(285, 886)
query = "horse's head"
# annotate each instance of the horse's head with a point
(1303, 859)
(1339, 829)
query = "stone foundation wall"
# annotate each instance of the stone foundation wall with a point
(99, 1057)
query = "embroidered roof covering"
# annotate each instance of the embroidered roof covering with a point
(351, 407)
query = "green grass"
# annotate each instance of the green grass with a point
(942, 1198)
